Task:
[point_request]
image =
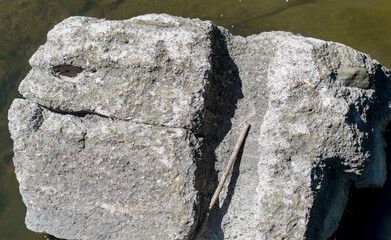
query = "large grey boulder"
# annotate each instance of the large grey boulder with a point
(104, 145)
(127, 125)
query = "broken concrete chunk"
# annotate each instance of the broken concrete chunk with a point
(311, 138)
(127, 126)
(94, 178)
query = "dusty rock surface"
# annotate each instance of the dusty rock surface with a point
(109, 127)
(127, 125)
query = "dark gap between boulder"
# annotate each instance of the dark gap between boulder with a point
(221, 96)
(357, 218)
(365, 216)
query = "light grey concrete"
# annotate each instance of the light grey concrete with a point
(129, 124)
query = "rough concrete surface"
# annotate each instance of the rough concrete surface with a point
(124, 69)
(128, 125)
(112, 128)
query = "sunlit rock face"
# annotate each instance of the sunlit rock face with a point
(325, 107)
(127, 125)
(105, 144)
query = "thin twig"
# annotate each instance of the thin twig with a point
(222, 180)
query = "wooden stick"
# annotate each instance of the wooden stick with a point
(223, 178)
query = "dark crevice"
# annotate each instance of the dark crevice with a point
(82, 142)
(37, 119)
(85, 113)
(74, 113)
(221, 96)
(67, 70)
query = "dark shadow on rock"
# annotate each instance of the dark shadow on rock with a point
(368, 210)
(222, 94)
(333, 185)
(366, 205)
(357, 218)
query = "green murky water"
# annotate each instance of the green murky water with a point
(361, 24)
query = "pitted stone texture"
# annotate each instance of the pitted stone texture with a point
(94, 178)
(150, 69)
(318, 111)
(318, 135)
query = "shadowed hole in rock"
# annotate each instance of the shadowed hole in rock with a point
(365, 214)
(67, 70)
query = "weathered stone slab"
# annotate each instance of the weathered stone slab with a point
(95, 178)
(151, 69)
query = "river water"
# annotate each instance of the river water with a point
(361, 24)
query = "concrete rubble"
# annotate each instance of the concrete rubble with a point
(126, 126)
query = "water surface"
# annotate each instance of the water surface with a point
(361, 24)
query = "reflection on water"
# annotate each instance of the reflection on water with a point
(361, 24)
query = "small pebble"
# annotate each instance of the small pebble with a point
(99, 160)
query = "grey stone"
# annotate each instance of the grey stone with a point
(129, 124)
(105, 146)
(312, 136)
(96, 178)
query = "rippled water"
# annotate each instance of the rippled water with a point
(361, 24)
